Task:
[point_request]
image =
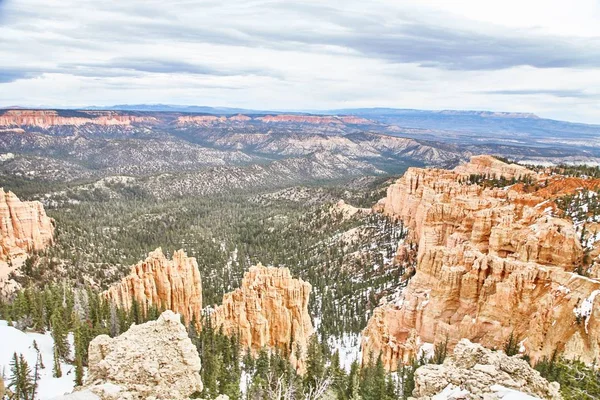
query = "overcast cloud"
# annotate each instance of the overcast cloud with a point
(528, 55)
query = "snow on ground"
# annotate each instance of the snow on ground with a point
(511, 394)
(586, 307)
(451, 392)
(348, 347)
(426, 350)
(14, 340)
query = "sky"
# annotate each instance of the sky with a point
(511, 55)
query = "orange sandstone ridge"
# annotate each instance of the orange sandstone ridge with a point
(490, 262)
(269, 310)
(167, 284)
(48, 118)
(24, 226)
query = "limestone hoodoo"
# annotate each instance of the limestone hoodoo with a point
(269, 310)
(167, 284)
(491, 261)
(24, 226)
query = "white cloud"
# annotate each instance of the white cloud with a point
(528, 55)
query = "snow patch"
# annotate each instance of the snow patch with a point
(505, 393)
(451, 392)
(16, 341)
(585, 308)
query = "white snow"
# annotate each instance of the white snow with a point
(505, 393)
(427, 350)
(586, 307)
(13, 340)
(348, 347)
(451, 392)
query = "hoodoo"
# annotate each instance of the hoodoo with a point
(269, 310)
(167, 284)
(24, 226)
(492, 261)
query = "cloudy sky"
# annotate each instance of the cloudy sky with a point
(539, 56)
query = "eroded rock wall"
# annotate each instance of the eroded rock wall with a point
(24, 226)
(491, 261)
(269, 310)
(167, 284)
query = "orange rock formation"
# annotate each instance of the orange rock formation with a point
(48, 118)
(269, 310)
(491, 262)
(167, 284)
(24, 226)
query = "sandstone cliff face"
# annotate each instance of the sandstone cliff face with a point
(490, 262)
(24, 226)
(153, 360)
(474, 373)
(167, 284)
(269, 310)
(48, 118)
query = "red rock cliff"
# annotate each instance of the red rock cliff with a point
(168, 284)
(48, 118)
(269, 310)
(490, 262)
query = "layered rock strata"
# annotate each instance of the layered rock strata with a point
(475, 373)
(490, 262)
(269, 310)
(49, 118)
(155, 360)
(167, 284)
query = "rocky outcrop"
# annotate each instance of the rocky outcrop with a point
(155, 360)
(49, 118)
(167, 284)
(474, 373)
(269, 310)
(347, 211)
(491, 262)
(493, 167)
(24, 226)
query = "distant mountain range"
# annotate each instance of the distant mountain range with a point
(449, 126)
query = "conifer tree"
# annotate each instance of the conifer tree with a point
(59, 334)
(56, 369)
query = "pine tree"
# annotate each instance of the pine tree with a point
(59, 334)
(440, 351)
(79, 353)
(511, 347)
(22, 382)
(315, 363)
(56, 370)
(353, 391)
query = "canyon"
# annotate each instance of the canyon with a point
(492, 262)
